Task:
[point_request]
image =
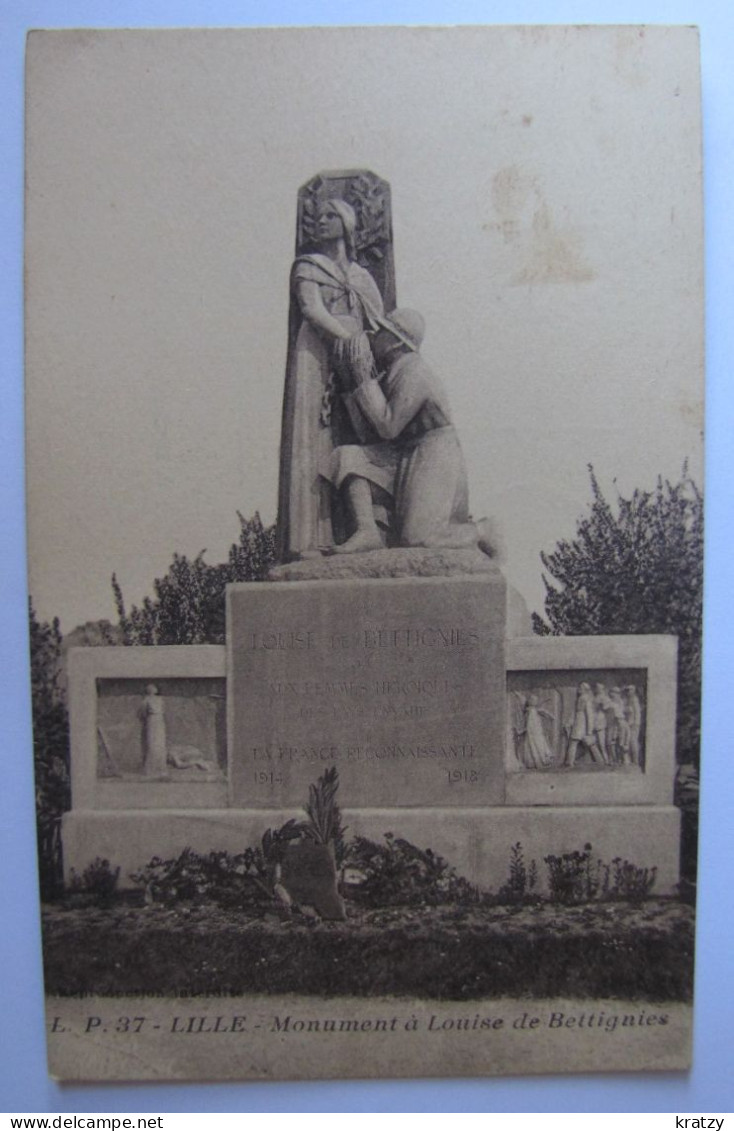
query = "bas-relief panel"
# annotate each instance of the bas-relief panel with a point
(576, 721)
(161, 729)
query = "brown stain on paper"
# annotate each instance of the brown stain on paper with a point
(554, 254)
(511, 189)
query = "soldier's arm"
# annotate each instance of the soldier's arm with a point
(390, 417)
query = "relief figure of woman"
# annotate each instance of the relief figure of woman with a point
(152, 717)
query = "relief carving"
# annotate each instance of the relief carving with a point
(575, 724)
(171, 730)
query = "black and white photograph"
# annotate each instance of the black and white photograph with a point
(364, 395)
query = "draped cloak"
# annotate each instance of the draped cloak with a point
(314, 419)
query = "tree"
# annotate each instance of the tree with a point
(50, 749)
(637, 567)
(189, 602)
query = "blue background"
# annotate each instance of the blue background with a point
(709, 1087)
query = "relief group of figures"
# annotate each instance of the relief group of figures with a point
(605, 730)
(369, 453)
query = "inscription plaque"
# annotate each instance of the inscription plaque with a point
(398, 683)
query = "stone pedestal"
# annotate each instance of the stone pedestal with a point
(398, 669)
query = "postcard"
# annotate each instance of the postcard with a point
(364, 385)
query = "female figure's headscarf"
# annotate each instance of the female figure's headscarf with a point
(349, 222)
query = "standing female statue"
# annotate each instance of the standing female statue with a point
(333, 301)
(152, 716)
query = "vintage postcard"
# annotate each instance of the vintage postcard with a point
(364, 433)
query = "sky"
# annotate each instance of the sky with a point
(546, 213)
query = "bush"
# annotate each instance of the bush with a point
(630, 882)
(239, 882)
(521, 880)
(50, 750)
(97, 885)
(189, 602)
(575, 877)
(395, 873)
(398, 874)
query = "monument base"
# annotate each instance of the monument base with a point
(476, 842)
(401, 561)
(409, 561)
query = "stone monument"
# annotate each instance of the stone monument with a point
(386, 642)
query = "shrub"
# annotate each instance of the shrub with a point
(629, 881)
(50, 750)
(238, 881)
(397, 873)
(189, 602)
(574, 877)
(521, 881)
(96, 886)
